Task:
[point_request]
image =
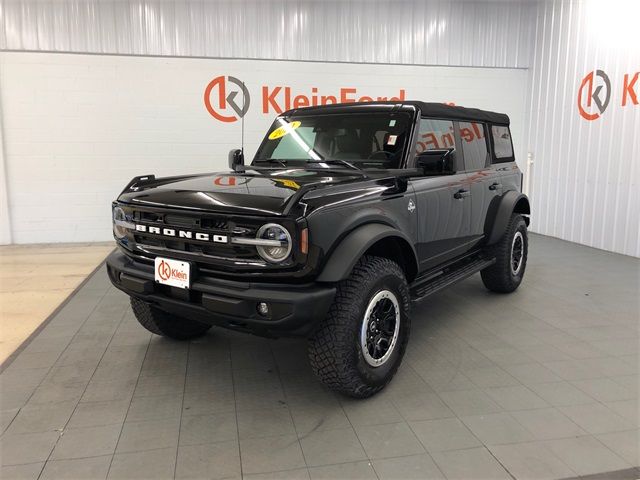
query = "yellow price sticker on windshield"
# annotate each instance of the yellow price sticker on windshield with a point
(287, 183)
(283, 130)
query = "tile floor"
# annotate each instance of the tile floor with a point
(35, 279)
(539, 384)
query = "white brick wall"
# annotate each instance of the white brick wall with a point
(77, 128)
(5, 222)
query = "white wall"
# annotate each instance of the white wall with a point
(424, 32)
(586, 173)
(5, 221)
(78, 127)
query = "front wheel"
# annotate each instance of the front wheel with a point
(358, 348)
(510, 252)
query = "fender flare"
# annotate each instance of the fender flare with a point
(500, 212)
(352, 247)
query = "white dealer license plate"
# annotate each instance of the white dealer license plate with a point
(173, 272)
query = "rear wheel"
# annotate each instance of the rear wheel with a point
(359, 346)
(510, 252)
(165, 324)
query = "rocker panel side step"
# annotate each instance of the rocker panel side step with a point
(448, 276)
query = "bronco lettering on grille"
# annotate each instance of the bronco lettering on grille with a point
(172, 232)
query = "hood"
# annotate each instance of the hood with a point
(255, 192)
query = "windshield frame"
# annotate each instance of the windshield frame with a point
(409, 144)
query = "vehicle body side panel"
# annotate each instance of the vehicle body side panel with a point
(511, 176)
(333, 221)
(485, 185)
(443, 221)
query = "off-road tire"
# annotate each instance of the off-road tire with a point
(165, 324)
(500, 277)
(335, 353)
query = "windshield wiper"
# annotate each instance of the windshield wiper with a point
(272, 160)
(336, 161)
(328, 161)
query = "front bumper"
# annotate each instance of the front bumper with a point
(294, 309)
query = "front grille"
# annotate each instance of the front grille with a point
(207, 254)
(201, 248)
(180, 220)
(214, 224)
(218, 259)
(217, 224)
(147, 216)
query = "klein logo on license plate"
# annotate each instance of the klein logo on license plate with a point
(172, 272)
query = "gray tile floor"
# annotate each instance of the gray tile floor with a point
(542, 383)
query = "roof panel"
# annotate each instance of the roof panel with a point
(427, 109)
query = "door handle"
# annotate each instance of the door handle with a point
(495, 186)
(461, 194)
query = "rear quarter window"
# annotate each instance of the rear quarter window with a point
(502, 146)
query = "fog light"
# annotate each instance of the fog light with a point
(263, 309)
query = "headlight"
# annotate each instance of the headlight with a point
(275, 242)
(119, 223)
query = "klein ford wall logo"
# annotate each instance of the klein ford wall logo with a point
(222, 105)
(600, 95)
(595, 92)
(227, 98)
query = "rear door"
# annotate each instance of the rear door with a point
(484, 178)
(443, 203)
(503, 159)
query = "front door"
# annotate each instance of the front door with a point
(443, 202)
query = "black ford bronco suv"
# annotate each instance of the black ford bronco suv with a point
(346, 215)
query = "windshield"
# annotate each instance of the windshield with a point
(362, 140)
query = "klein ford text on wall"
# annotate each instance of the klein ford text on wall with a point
(224, 93)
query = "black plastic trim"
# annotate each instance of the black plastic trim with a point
(499, 215)
(354, 245)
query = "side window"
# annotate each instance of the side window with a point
(474, 145)
(502, 146)
(435, 135)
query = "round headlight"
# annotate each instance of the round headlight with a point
(119, 218)
(280, 240)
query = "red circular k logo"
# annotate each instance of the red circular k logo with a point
(218, 105)
(587, 95)
(164, 270)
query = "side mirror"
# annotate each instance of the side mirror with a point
(437, 162)
(236, 160)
